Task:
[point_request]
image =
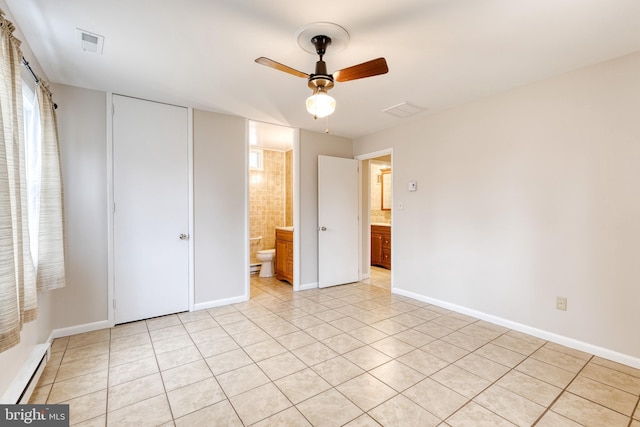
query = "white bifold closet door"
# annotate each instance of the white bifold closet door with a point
(151, 209)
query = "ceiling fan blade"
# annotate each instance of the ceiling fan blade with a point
(278, 66)
(366, 69)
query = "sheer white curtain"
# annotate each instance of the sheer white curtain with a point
(19, 277)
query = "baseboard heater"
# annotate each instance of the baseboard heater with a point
(255, 268)
(25, 382)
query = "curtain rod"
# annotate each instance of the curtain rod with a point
(33, 74)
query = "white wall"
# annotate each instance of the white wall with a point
(526, 196)
(83, 150)
(220, 208)
(313, 144)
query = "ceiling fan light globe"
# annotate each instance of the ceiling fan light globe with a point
(320, 105)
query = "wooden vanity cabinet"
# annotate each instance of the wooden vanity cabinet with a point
(381, 246)
(284, 255)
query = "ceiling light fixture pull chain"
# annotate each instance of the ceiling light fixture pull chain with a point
(326, 130)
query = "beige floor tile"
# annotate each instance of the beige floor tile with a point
(130, 354)
(329, 409)
(408, 319)
(529, 338)
(337, 370)
(474, 415)
(587, 413)
(81, 367)
(401, 412)
(509, 405)
(128, 393)
(78, 386)
(251, 337)
(100, 421)
(634, 372)
(40, 394)
(366, 391)
(171, 344)
(397, 375)
(342, 343)
(363, 420)
(49, 373)
(288, 417)
(529, 387)
(259, 403)
(280, 329)
(60, 344)
(367, 357)
(281, 365)
(128, 341)
(323, 331)
(194, 316)
(86, 407)
(132, 370)
(175, 358)
(478, 331)
(434, 329)
(461, 381)
(367, 334)
(466, 342)
(423, 362)
(242, 379)
(305, 322)
(445, 351)
(346, 323)
(389, 327)
(635, 423)
(264, 350)
(150, 412)
(451, 321)
(194, 397)
(229, 318)
(545, 372)
(484, 368)
(436, 398)
(296, 340)
(604, 395)
(414, 338)
(636, 415)
(617, 379)
(120, 331)
(86, 351)
(500, 354)
(516, 344)
(163, 322)
(313, 354)
(561, 360)
(217, 346)
(392, 347)
(87, 338)
(168, 332)
(425, 314)
(302, 385)
(186, 374)
(208, 334)
(553, 419)
(566, 350)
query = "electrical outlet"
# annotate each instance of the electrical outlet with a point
(561, 303)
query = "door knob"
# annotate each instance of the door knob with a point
(184, 236)
(323, 228)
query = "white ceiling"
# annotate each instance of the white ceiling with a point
(441, 53)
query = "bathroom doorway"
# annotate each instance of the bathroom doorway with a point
(377, 207)
(271, 204)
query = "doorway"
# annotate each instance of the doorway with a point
(376, 204)
(271, 205)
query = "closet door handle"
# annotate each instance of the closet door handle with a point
(184, 237)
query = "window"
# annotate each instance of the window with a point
(33, 157)
(256, 159)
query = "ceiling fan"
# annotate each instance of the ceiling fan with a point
(320, 104)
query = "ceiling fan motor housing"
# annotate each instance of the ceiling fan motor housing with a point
(321, 79)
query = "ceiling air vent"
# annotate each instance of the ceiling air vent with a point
(403, 110)
(89, 42)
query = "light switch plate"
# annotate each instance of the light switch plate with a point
(413, 185)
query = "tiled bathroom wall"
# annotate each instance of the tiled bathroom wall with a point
(377, 214)
(267, 201)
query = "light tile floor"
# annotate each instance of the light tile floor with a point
(353, 355)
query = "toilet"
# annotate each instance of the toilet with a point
(266, 257)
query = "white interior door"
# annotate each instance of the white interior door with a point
(151, 209)
(337, 221)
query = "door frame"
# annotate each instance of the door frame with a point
(110, 203)
(364, 200)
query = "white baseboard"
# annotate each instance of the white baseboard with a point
(220, 302)
(539, 333)
(27, 378)
(79, 329)
(308, 286)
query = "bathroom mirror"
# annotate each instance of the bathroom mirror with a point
(386, 189)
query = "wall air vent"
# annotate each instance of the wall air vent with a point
(403, 110)
(89, 42)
